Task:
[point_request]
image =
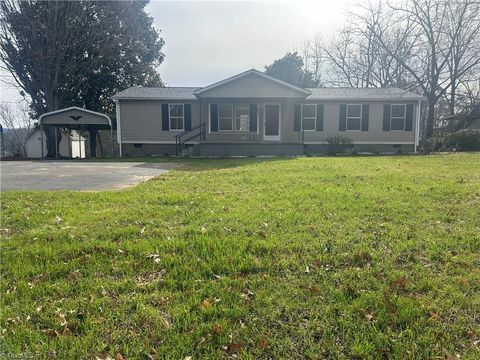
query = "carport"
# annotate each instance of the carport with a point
(78, 119)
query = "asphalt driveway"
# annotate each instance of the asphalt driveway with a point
(76, 175)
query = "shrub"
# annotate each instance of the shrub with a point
(338, 144)
(464, 140)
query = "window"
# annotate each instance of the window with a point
(397, 117)
(242, 117)
(309, 116)
(176, 116)
(225, 117)
(354, 117)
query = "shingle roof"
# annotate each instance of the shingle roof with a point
(188, 93)
(361, 94)
(167, 93)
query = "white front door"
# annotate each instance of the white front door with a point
(272, 122)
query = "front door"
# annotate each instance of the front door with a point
(272, 122)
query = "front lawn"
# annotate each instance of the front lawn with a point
(357, 257)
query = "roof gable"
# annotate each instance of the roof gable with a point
(252, 84)
(74, 115)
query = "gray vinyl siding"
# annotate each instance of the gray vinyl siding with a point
(64, 118)
(251, 86)
(375, 133)
(141, 120)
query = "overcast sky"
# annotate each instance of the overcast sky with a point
(207, 41)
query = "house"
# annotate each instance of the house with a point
(255, 114)
(71, 145)
(469, 118)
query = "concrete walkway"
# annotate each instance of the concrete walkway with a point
(76, 175)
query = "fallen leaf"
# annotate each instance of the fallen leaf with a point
(314, 290)
(206, 304)
(217, 328)
(234, 348)
(66, 331)
(74, 275)
(369, 316)
(262, 343)
(58, 220)
(51, 353)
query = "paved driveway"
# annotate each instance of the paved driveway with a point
(76, 175)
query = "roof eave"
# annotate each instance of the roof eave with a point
(154, 98)
(365, 99)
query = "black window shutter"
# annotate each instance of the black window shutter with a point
(319, 119)
(213, 117)
(342, 124)
(253, 117)
(165, 118)
(386, 117)
(409, 118)
(365, 115)
(296, 117)
(187, 108)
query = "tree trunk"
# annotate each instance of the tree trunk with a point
(430, 118)
(50, 140)
(93, 143)
(451, 105)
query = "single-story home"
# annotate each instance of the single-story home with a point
(255, 114)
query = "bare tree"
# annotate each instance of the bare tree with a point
(314, 59)
(356, 59)
(15, 119)
(444, 40)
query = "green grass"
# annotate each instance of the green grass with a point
(357, 257)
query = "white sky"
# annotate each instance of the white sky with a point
(207, 41)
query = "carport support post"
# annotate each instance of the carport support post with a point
(69, 143)
(56, 142)
(79, 144)
(41, 134)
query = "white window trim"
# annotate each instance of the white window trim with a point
(176, 117)
(309, 117)
(353, 117)
(235, 118)
(232, 131)
(404, 117)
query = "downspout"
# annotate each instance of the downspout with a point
(119, 127)
(417, 126)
